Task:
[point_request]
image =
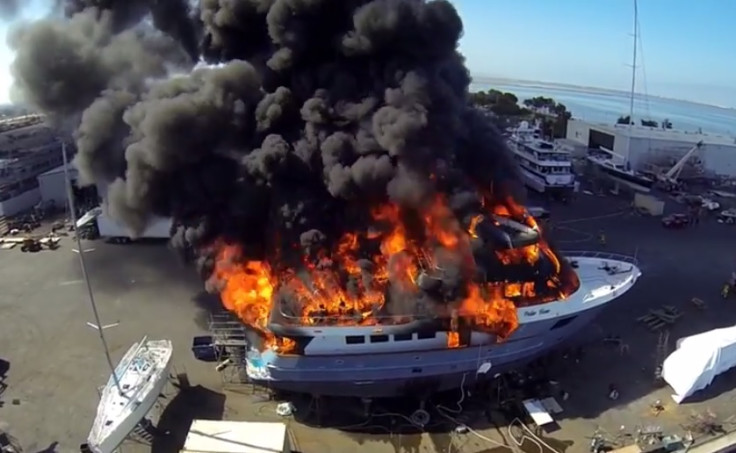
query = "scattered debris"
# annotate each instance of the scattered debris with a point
(659, 318)
(31, 243)
(613, 393)
(699, 303)
(8, 443)
(285, 409)
(705, 424)
(657, 408)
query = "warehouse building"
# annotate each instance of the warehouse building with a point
(52, 184)
(53, 189)
(654, 149)
(19, 168)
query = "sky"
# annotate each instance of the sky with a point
(687, 47)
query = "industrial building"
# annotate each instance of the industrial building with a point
(52, 184)
(24, 154)
(655, 149)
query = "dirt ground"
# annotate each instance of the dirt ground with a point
(52, 361)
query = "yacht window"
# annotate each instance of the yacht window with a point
(426, 335)
(379, 338)
(563, 322)
(402, 337)
(355, 339)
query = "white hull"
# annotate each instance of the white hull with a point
(395, 366)
(142, 373)
(536, 183)
(619, 176)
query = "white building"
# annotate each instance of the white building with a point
(19, 168)
(52, 184)
(647, 147)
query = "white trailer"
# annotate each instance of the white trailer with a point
(157, 228)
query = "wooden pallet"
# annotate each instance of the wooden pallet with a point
(656, 319)
(699, 303)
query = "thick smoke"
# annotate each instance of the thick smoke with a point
(266, 122)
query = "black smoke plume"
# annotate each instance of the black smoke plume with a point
(9, 8)
(265, 122)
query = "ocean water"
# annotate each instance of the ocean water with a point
(607, 106)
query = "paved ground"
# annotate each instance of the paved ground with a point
(55, 362)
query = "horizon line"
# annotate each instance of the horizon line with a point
(592, 88)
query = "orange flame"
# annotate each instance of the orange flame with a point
(249, 288)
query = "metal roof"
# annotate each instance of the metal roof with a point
(60, 169)
(652, 133)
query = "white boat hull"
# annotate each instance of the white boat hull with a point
(330, 366)
(536, 183)
(142, 373)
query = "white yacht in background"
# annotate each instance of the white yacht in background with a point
(546, 168)
(141, 375)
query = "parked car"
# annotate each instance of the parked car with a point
(728, 216)
(675, 221)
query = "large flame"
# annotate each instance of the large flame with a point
(250, 288)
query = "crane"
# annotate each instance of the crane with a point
(669, 179)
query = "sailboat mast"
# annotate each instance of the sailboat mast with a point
(633, 65)
(73, 215)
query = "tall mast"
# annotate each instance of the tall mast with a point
(73, 215)
(633, 65)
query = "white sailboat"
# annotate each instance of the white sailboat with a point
(141, 373)
(612, 164)
(134, 384)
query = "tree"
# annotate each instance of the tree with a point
(554, 118)
(649, 123)
(541, 102)
(624, 120)
(500, 103)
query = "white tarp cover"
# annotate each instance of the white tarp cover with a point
(698, 360)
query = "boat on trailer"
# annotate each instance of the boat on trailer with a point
(141, 375)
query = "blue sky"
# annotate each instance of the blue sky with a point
(689, 46)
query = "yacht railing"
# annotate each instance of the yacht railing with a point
(572, 254)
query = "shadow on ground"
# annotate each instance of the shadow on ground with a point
(189, 403)
(115, 267)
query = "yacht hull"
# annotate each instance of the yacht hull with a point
(403, 373)
(635, 182)
(537, 184)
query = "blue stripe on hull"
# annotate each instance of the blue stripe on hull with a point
(394, 374)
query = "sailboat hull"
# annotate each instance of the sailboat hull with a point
(142, 373)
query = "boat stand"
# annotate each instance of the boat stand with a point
(318, 408)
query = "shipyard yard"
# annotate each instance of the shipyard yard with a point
(54, 364)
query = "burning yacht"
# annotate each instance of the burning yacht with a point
(410, 319)
(328, 172)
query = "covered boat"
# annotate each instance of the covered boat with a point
(698, 359)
